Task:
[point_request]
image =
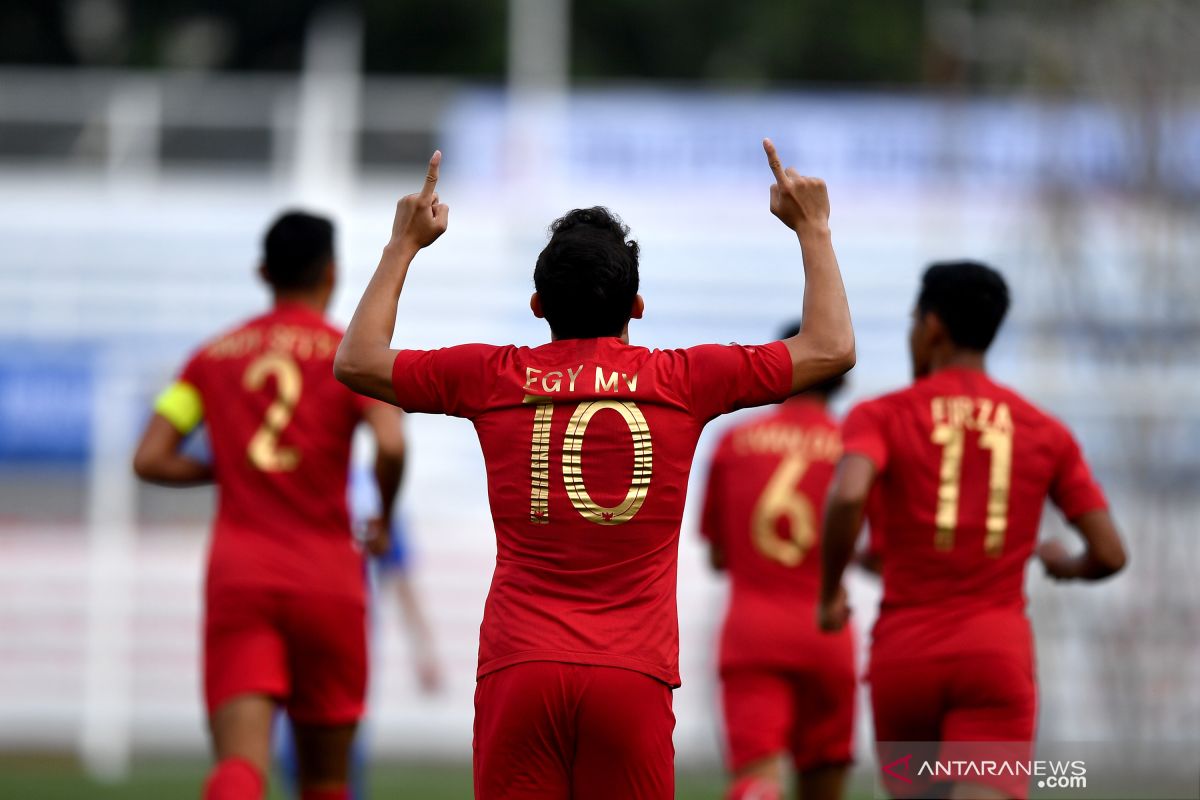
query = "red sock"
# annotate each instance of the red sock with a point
(754, 788)
(234, 779)
(342, 793)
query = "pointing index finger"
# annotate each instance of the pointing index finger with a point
(773, 160)
(431, 177)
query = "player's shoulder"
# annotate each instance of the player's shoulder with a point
(1029, 414)
(236, 339)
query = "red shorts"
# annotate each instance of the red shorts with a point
(551, 731)
(929, 707)
(808, 713)
(308, 651)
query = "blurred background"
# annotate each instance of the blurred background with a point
(145, 146)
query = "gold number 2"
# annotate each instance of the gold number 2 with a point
(781, 497)
(572, 463)
(264, 451)
(999, 442)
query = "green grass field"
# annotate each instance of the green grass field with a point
(61, 779)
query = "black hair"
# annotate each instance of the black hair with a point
(587, 275)
(826, 388)
(296, 250)
(969, 298)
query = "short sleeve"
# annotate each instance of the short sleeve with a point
(711, 511)
(724, 378)
(1074, 490)
(454, 380)
(864, 433)
(181, 403)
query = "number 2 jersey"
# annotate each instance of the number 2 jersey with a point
(965, 467)
(588, 445)
(762, 510)
(280, 427)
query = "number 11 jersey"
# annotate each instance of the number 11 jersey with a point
(964, 468)
(588, 445)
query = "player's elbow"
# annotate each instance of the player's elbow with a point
(348, 367)
(390, 447)
(1110, 560)
(826, 357)
(842, 354)
(145, 465)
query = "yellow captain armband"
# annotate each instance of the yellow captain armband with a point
(180, 405)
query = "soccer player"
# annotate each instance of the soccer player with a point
(588, 442)
(965, 466)
(284, 594)
(786, 688)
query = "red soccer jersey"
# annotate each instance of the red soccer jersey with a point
(588, 445)
(965, 466)
(280, 426)
(762, 509)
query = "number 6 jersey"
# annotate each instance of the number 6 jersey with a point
(588, 445)
(964, 468)
(762, 511)
(280, 428)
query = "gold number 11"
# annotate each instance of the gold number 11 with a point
(952, 439)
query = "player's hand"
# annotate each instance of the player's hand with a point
(801, 203)
(833, 612)
(421, 218)
(379, 537)
(429, 674)
(1058, 561)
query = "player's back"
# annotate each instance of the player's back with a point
(588, 445)
(762, 511)
(280, 428)
(966, 466)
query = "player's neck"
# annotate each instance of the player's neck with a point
(961, 359)
(316, 302)
(808, 398)
(624, 337)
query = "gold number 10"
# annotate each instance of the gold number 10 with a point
(572, 464)
(999, 442)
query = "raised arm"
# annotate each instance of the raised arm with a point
(824, 347)
(844, 509)
(364, 358)
(387, 426)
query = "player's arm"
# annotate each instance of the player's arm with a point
(178, 411)
(387, 427)
(364, 358)
(869, 560)
(420, 633)
(158, 458)
(824, 347)
(711, 518)
(1103, 553)
(844, 509)
(1082, 502)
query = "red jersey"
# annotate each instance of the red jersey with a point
(588, 445)
(763, 509)
(280, 427)
(965, 467)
